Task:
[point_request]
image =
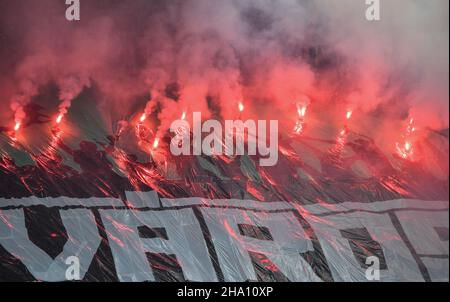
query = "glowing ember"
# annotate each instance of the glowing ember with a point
(143, 118)
(241, 107)
(17, 126)
(59, 118)
(156, 143)
(183, 116)
(349, 114)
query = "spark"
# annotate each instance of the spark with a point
(17, 126)
(143, 118)
(183, 116)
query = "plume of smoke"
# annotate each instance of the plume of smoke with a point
(70, 88)
(398, 64)
(27, 90)
(266, 54)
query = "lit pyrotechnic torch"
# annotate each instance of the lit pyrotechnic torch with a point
(302, 102)
(241, 107)
(58, 121)
(301, 110)
(405, 149)
(183, 116)
(344, 131)
(411, 128)
(17, 126)
(349, 114)
(59, 118)
(155, 143)
(143, 118)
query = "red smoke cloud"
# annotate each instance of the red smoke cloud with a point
(268, 55)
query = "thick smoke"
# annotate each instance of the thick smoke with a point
(210, 56)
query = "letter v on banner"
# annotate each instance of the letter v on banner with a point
(82, 242)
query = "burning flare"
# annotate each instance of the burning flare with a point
(17, 126)
(300, 124)
(59, 118)
(143, 118)
(156, 143)
(302, 111)
(405, 149)
(298, 127)
(241, 107)
(407, 146)
(349, 114)
(411, 128)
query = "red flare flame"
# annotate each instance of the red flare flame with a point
(241, 107)
(407, 146)
(156, 143)
(302, 111)
(299, 126)
(405, 151)
(349, 114)
(59, 118)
